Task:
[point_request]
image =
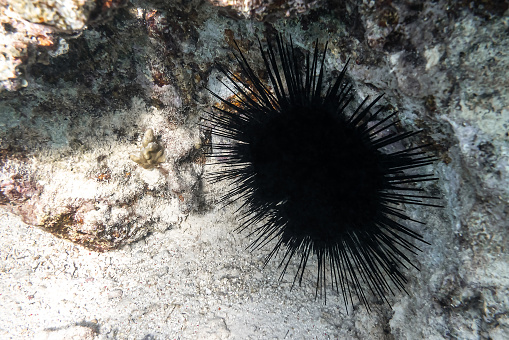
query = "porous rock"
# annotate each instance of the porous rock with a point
(443, 65)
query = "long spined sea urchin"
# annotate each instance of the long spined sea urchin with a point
(317, 177)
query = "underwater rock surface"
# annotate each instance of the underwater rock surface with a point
(81, 87)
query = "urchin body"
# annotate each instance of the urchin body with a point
(316, 176)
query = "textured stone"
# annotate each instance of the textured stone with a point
(66, 133)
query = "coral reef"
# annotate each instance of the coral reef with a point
(29, 32)
(64, 15)
(83, 86)
(260, 10)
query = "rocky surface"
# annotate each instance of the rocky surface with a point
(29, 32)
(83, 85)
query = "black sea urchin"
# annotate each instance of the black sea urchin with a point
(315, 176)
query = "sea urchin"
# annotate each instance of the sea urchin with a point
(315, 176)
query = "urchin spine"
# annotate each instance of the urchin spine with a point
(315, 178)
